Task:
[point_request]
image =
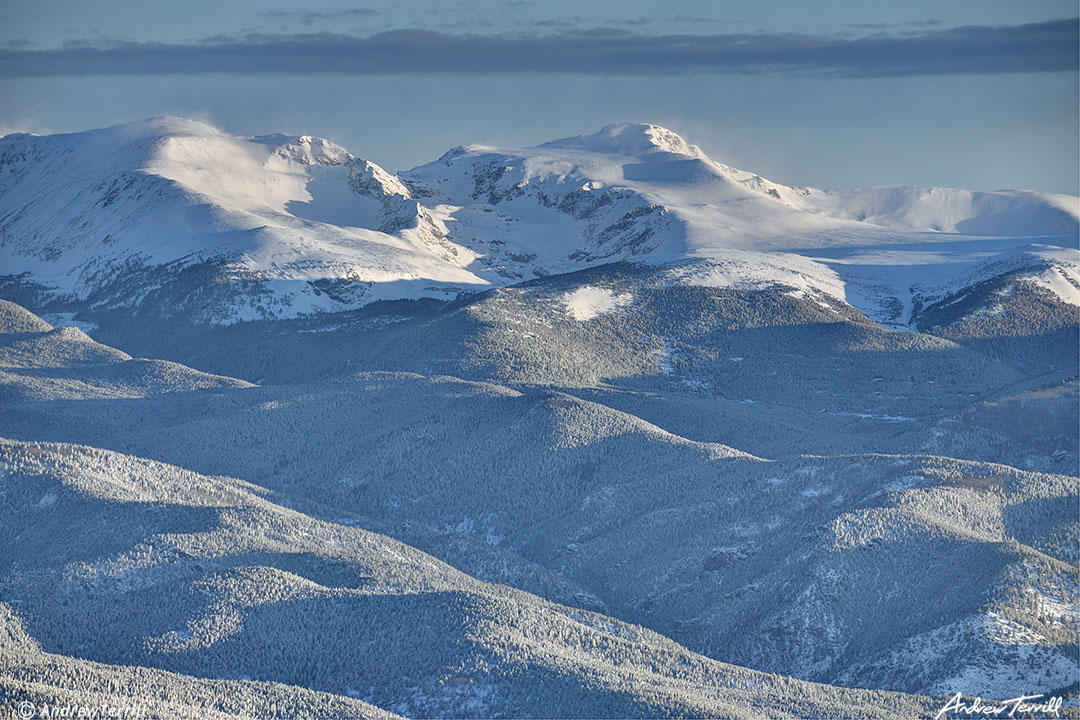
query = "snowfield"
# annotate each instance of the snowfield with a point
(587, 302)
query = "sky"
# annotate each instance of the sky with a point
(979, 94)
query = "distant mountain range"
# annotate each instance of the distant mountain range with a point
(172, 215)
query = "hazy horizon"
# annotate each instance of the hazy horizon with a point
(970, 95)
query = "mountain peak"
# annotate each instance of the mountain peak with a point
(305, 149)
(160, 127)
(633, 139)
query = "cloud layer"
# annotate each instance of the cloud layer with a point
(1035, 47)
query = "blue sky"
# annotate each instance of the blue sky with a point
(976, 94)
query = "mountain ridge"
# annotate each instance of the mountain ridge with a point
(288, 225)
(767, 560)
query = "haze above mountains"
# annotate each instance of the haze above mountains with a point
(598, 428)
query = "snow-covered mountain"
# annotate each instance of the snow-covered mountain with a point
(297, 223)
(171, 213)
(599, 428)
(641, 192)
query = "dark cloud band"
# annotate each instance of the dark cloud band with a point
(1036, 47)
